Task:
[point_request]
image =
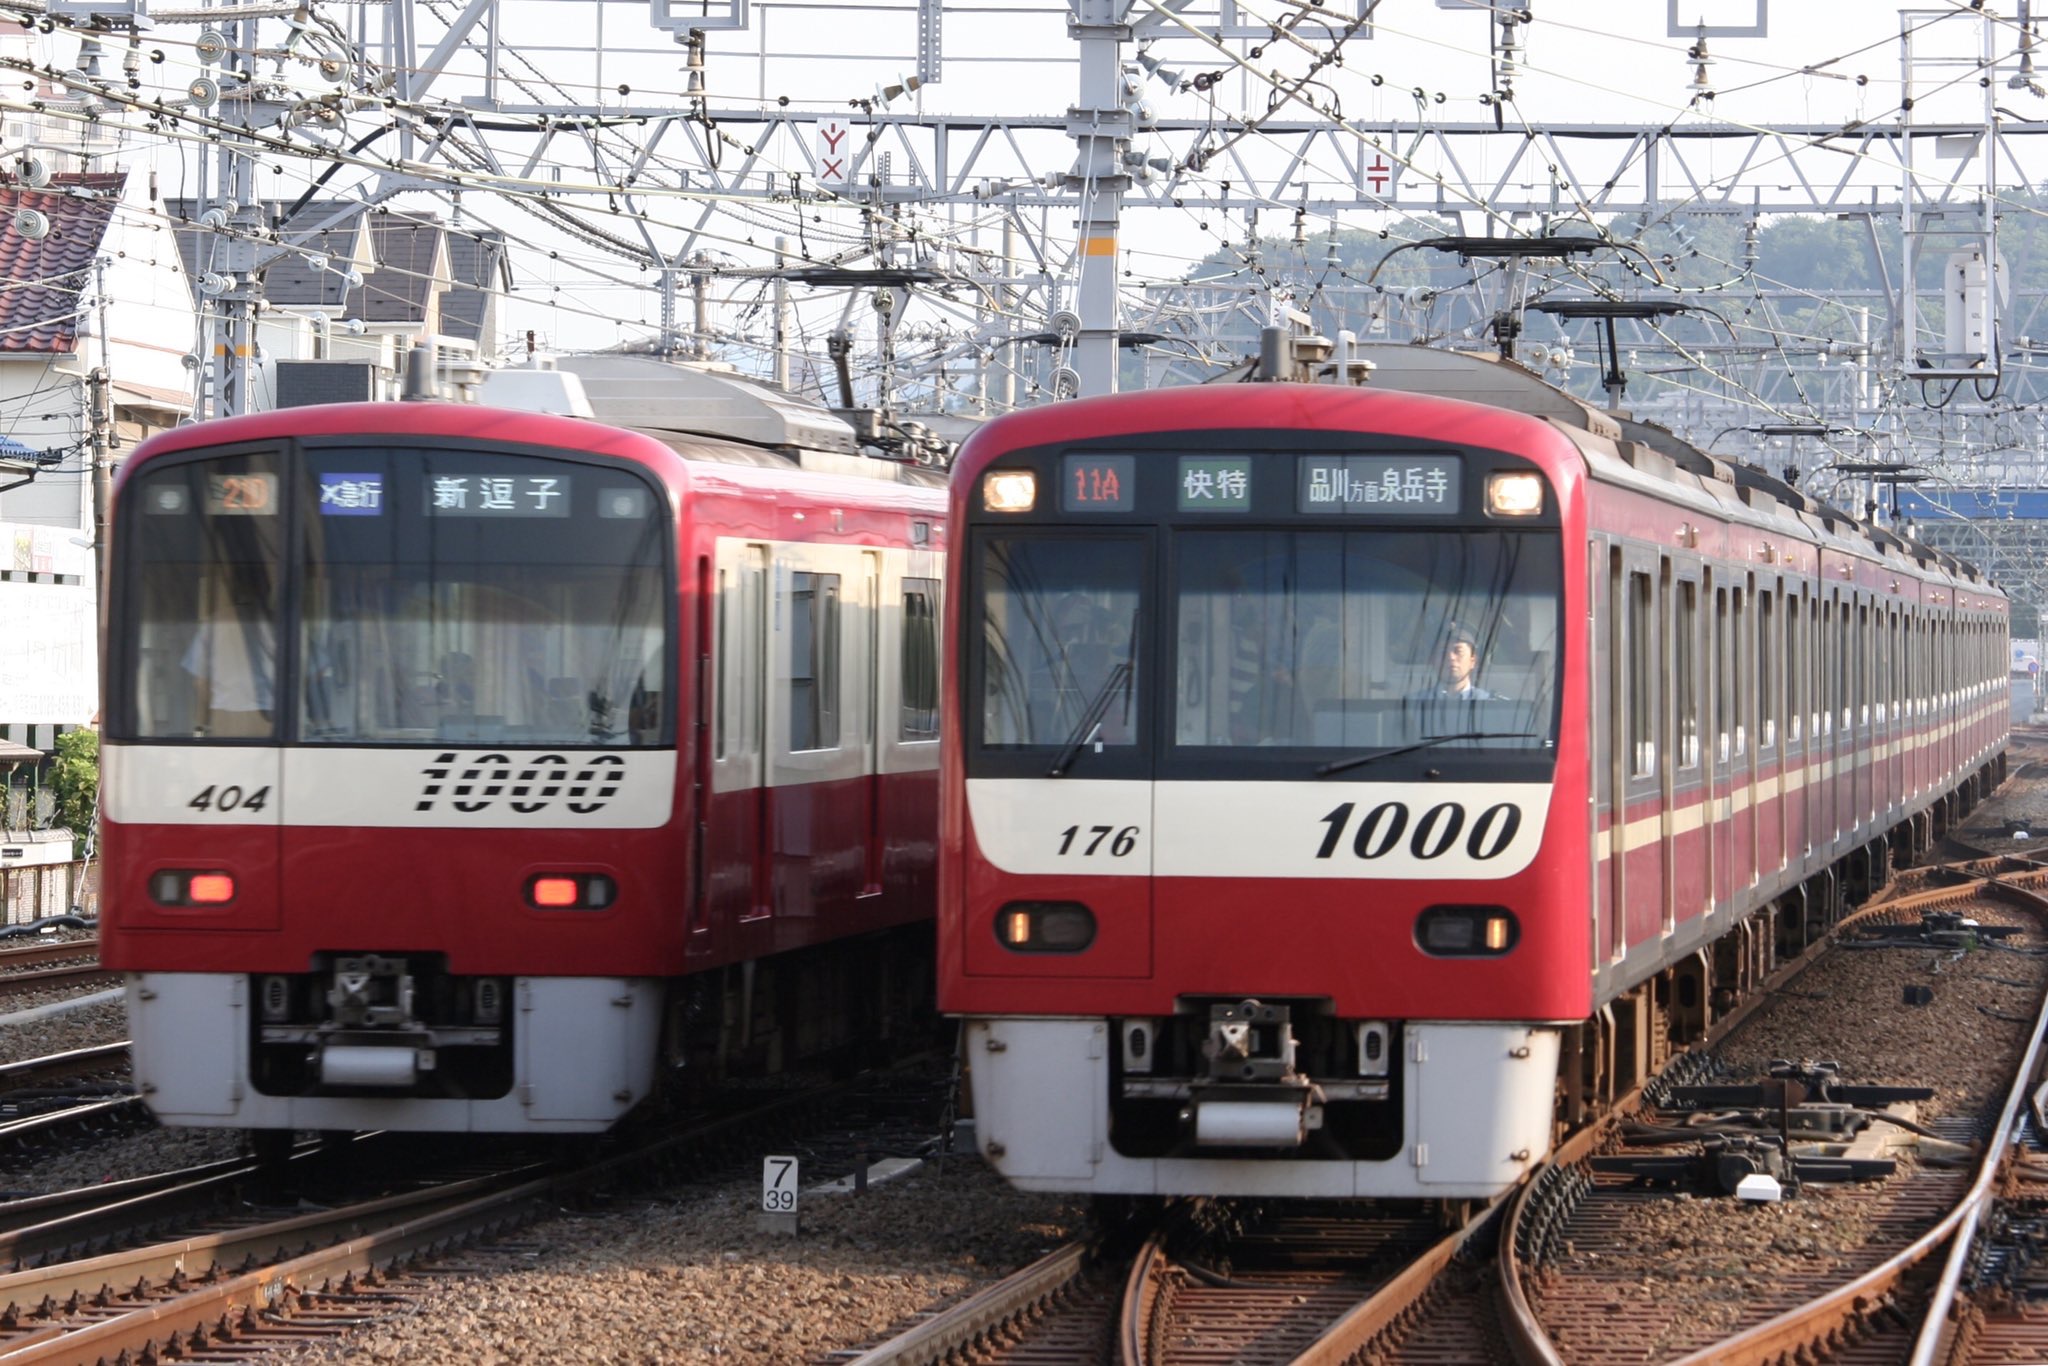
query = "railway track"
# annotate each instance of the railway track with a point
(1319, 1287)
(1854, 1305)
(61, 965)
(185, 1265)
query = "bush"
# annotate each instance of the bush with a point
(76, 778)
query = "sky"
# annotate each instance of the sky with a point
(1578, 61)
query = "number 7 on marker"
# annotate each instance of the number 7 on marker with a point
(778, 1184)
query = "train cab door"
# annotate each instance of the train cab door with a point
(1640, 847)
(733, 871)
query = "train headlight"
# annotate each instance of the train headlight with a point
(1045, 927)
(1466, 931)
(1009, 491)
(1514, 493)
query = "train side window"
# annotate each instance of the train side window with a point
(1795, 672)
(1844, 668)
(920, 662)
(1685, 663)
(721, 608)
(813, 661)
(1642, 676)
(1739, 683)
(1724, 682)
(1863, 663)
(1766, 672)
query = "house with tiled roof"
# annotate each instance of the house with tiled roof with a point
(342, 282)
(93, 307)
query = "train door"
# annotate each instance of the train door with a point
(1864, 750)
(1827, 676)
(1720, 812)
(1691, 878)
(1644, 759)
(1770, 737)
(734, 816)
(817, 820)
(1668, 726)
(1792, 789)
(870, 672)
(1611, 724)
(1892, 790)
(1742, 768)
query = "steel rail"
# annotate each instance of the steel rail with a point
(199, 1309)
(49, 979)
(70, 1062)
(1527, 1338)
(210, 1313)
(1934, 1328)
(1141, 1297)
(55, 951)
(1800, 1330)
(982, 1312)
(1351, 1335)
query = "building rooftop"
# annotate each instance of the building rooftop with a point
(47, 278)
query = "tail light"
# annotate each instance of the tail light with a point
(191, 887)
(570, 891)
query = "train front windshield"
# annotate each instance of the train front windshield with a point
(381, 596)
(1269, 643)
(1363, 639)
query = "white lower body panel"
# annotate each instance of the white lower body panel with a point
(584, 1054)
(1477, 1104)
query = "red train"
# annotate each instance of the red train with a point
(469, 769)
(1347, 785)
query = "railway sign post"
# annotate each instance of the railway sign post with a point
(778, 1194)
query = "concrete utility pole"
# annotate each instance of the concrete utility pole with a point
(100, 417)
(1101, 126)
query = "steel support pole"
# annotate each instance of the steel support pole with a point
(1101, 127)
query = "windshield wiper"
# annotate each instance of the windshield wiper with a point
(1091, 719)
(1359, 760)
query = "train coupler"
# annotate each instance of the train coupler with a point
(1272, 1116)
(1253, 1097)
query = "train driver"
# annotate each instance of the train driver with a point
(1458, 680)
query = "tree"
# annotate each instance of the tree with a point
(76, 777)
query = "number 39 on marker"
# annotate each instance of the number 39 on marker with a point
(778, 1185)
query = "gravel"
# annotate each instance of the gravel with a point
(87, 1027)
(1648, 1275)
(679, 1276)
(691, 1277)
